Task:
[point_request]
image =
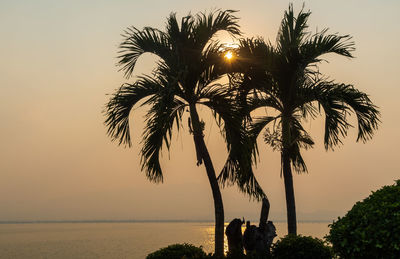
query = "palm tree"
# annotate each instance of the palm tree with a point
(285, 78)
(190, 64)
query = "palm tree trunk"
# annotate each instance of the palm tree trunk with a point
(203, 155)
(288, 178)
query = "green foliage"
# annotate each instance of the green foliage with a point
(299, 247)
(178, 251)
(371, 229)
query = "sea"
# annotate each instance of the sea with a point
(115, 239)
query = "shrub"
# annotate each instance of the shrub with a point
(178, 251)
(300, 247)
(371, 229)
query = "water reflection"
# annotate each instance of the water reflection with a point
(115, 240)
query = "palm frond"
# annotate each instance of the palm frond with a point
(186, 29)
(338, 102)
(292, 30)
(164, 113)
(207, 26)
(367, 113)
(299, 165)
(211, 65)
(136, 42)
(220, 100)
(244, 180)
(254, 59)
(238, 167)
(258, 124)
(121, 103)
(299, 139)
(265, 100)
(323, 43)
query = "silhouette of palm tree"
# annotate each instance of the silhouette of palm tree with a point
(190, 62)
(286, 78)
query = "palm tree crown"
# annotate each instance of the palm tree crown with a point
(183, 77)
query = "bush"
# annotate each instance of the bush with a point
(178, 251)
(300, 247)
(371, 229)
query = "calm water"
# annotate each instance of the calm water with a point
(113, 240)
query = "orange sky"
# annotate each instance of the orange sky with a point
(58, 63)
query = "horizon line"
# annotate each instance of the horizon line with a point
(142, 221)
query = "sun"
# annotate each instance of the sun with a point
(229, 55)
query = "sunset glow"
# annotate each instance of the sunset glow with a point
(134, 112)
(229, 55)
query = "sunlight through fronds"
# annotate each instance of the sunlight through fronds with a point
(228, 55)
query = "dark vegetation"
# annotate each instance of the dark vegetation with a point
(289, 247)
(371, 229)
(178, 251)
(301, 247)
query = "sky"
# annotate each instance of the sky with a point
(57, 66)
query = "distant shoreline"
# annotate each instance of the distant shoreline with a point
(137, 221)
